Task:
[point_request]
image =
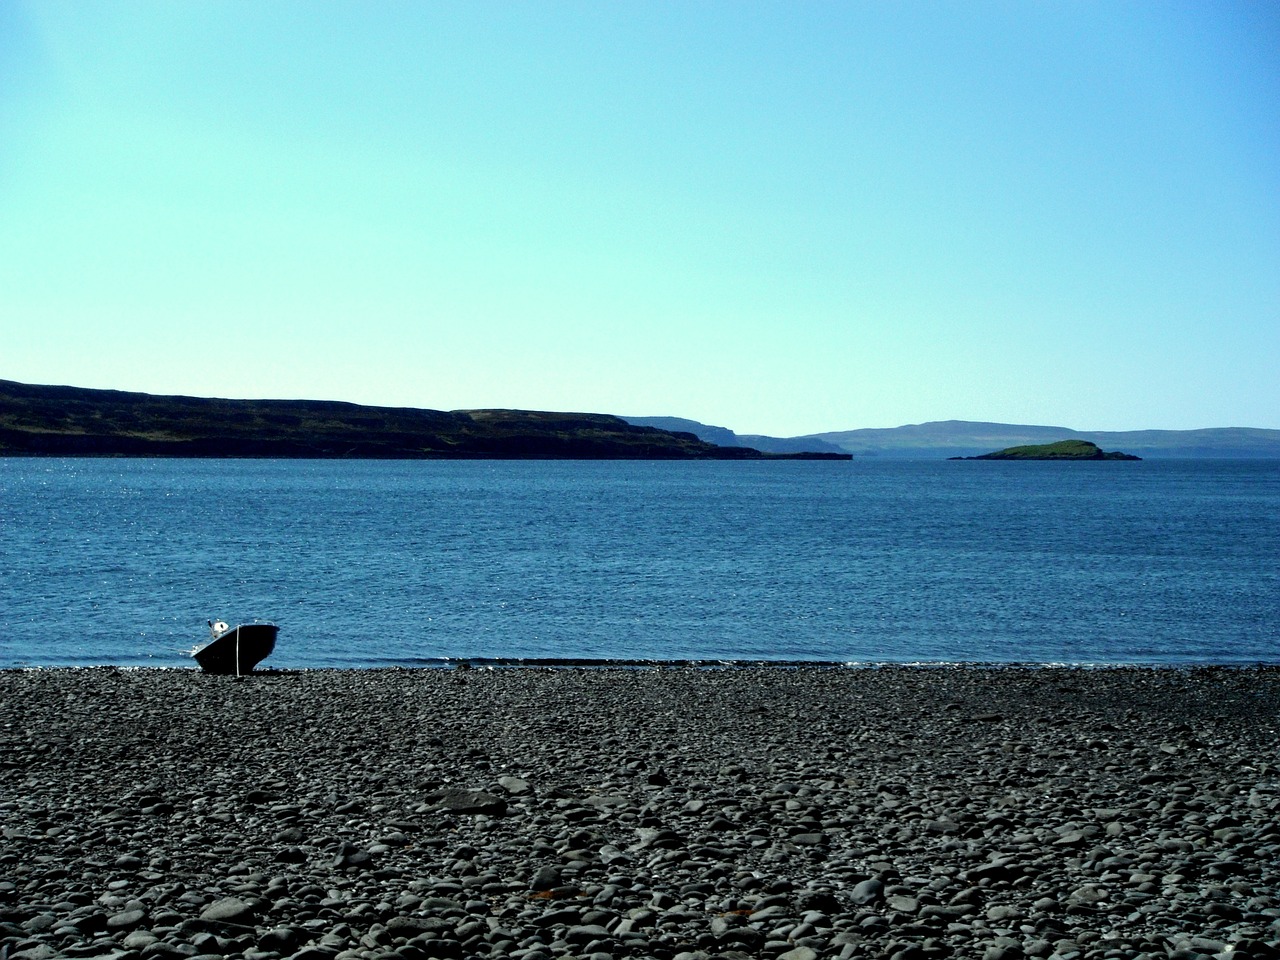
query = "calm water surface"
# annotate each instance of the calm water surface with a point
(367, 563)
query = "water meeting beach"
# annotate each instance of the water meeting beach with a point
(669, 812)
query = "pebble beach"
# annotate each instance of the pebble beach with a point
(674, 813)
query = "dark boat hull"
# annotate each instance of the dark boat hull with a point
(239, 649)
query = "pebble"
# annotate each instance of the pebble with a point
(541, 814)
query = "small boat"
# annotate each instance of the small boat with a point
(236, 650)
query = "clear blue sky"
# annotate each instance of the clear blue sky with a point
(783, 218)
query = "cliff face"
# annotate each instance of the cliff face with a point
(73, 421)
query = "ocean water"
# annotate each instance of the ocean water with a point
(371, 563)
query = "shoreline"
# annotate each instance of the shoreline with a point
(540, 813)
(623, 663)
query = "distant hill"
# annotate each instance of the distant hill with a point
(73, 421)
(721, 436)
(963, 438)
(727, 438)
(941, 439)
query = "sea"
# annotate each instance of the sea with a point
(123, 562)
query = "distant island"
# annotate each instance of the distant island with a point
(75, 421)
(1062, 450)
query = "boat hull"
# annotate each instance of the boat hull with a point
(238, 650)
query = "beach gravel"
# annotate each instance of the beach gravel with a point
(674, 812)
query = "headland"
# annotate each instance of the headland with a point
(74, 421)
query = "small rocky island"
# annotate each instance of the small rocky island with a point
(1062, 450)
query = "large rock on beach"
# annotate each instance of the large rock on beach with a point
(456, 800)
(229, 910)
(788, 814)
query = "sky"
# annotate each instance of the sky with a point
(779, 217)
